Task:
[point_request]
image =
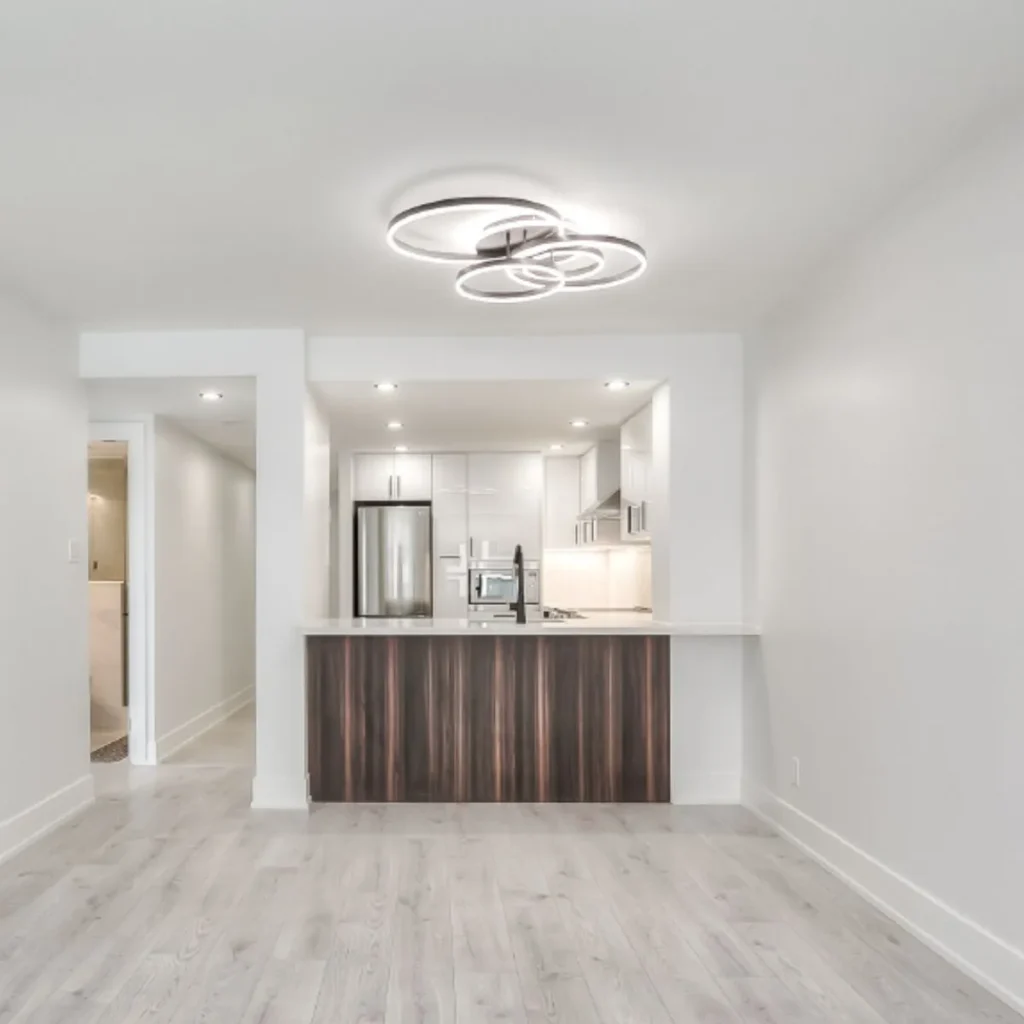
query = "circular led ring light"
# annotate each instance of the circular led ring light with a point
(538, 212)
(531, 251)
(537, 264)
(523, 222)
(555, 281)
(561, 251)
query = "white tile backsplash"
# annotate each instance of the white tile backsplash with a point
(598, 577)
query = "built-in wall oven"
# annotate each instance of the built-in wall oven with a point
(494, 587)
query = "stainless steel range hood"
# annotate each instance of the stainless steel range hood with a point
(608, 508)
(603, 465)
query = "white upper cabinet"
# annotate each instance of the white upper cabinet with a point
(505, 496)
(373, 477)
(637, 448)
(451, 536)
(386, 477)
(412, 477)
(599, 474)
(561, 501)
(588, 479)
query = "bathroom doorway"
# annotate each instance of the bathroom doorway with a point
(108, 600)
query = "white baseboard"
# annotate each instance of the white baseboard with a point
(280, 792)
(705, 788)
(183, 735)
(992, 962)
(42, 818)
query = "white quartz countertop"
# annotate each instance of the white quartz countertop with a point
(595, 624)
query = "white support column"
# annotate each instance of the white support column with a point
(697, 564)
(281, 779)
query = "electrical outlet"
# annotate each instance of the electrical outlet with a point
(796, 773)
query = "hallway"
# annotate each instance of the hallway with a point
(231, 743)
(171, 898)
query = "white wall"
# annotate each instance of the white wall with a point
(697, 515)
(204, 586)
(889, 409)
(44, 681)
(317, 494)
(344, 534)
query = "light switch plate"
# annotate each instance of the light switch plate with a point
(74, 552)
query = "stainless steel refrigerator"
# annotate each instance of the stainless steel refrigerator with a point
(393, 561)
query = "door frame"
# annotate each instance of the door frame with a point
(141, 665)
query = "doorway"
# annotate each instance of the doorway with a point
(108, 600)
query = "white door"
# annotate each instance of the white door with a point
(373, 477)
(412, 478)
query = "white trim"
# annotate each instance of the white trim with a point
(988, 959)
(280, 793)
(173, 741)
(141, 605)
(706, 788)
(31, 824)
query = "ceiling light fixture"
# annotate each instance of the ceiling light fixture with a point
(617, 385)
(522, 251)
(557, 447)
(578, 423)
(386, 385)
(394, 425)
(211, 396)
(401, 448)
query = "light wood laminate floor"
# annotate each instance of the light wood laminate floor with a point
(171, 901)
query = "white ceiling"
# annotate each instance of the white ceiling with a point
(186, 163)
(228, 425)
(479, 415)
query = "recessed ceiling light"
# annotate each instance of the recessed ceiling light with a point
(578, 423)
(557, 447)
(394, 425)
(386, 385)
(211, 396)
(401, 448)
(617, 385)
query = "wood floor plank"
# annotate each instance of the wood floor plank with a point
(171, 902)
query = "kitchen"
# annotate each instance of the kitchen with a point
(496, 561)
(444, 481)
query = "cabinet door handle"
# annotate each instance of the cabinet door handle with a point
(398, 486)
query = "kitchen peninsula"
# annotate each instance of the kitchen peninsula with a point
(452, 710)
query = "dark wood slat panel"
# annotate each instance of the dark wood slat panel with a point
(497, 718)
